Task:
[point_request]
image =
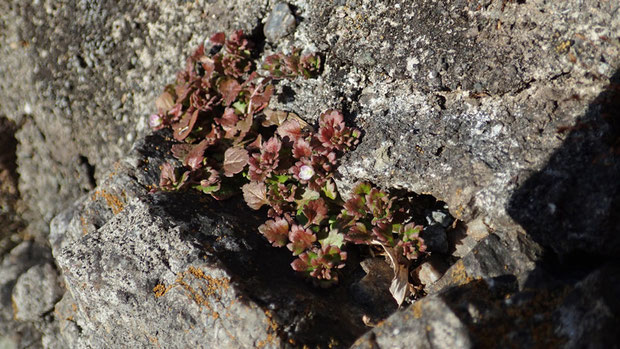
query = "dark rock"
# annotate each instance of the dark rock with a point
(429, 323)
(435, 238)
(490, 258)
(280, 22)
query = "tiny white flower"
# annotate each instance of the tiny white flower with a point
(306, 172)
(155, 120)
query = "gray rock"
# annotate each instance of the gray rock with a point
(491, 258)
(280, 22)
(21, 258)
(493, 313)
(36, 292)
(178, 270)
(459, 100)
(81, 86)
(463, 105)
(429, 323)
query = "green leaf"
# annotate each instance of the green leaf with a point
(362, 188)
(334, 238)
(208, 189)
(240, 106)
(330, 190)
(282, 178)
(308, 196)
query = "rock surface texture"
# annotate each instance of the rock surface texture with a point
(506, 111)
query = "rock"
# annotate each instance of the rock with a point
(280, 22)
(431, 270)
(183, 254)
(10, 205)
(588, 317)
(465, 237)
(82, 86)
(373, 289)
(492, 313)
(18, 261)
(429, 323)
(36, 292)
(505, 111)
(423, 134)
(435, 238)
(21, 258)
(491, 258)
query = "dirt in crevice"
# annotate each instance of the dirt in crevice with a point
(11, 206)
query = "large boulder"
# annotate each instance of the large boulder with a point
(180, 269)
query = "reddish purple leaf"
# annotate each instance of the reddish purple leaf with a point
(255, 194)
(315, 211)
(218, 38)
(291, 129)
(301, 239)
(229, 89)
(181, 150)
(184, 127)
(302, 149)
(276, 231)
(196, 155)
(228, 121)
(235, 160)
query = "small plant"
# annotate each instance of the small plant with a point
(229, 142)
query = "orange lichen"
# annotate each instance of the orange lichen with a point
(116, 203)
(161, 290)
(272, 328)
(198, 286)
(84, 225)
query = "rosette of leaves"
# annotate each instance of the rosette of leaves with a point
(292, 173)
(292, 65)
(228, 141)
(371, 216)
(215, 111)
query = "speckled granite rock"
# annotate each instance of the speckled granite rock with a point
(178, 269)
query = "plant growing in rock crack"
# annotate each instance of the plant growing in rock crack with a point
(228, 142)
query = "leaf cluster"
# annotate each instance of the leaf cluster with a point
(228, 141)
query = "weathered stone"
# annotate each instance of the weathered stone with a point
(588, 317)
(435, 238)
(36, 292)
(507, 111)
(427, 324)
(80, 78)
(183, 254)
(280, 22)
(491, 258)
(456, 100)
(21, 258)
(373, 289)
(431, 270)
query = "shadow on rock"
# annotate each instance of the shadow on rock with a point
(302, 313)
(572, 205)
